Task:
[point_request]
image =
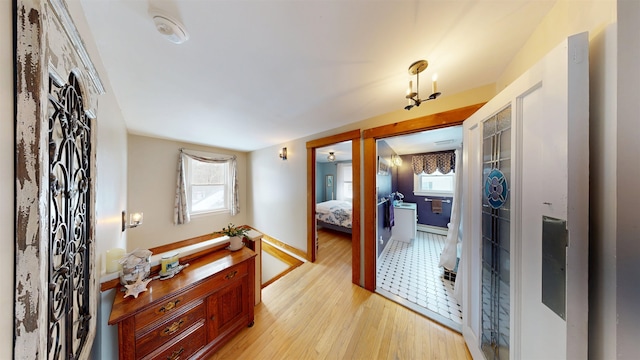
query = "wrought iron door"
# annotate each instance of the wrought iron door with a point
(70, 219)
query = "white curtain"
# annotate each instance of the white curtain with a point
(343, 174)
(449, 255)
(181, 212)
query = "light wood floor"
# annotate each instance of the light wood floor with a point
(315, 312)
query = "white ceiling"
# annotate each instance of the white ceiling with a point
(259, 73)
(427, 141)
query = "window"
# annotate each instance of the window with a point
(207, 186)
(435, 184)
(345, 182)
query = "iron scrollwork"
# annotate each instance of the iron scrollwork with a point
(70, 220)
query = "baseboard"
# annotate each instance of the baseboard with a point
(433, 229)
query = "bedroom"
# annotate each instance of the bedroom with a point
(334, 187)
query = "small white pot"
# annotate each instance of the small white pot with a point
(236, 243)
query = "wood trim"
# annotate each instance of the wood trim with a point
(282, 256)
(370, 224)
(353, 136)
(194, 240)
(182, 243)
(282, 245)
(312, 229)
(333, 139)
(435, 121)
(355, 213)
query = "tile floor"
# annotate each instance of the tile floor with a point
(408, 274)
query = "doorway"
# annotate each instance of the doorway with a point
(312, 197)
(370, 136)
(334, 191)
(414, 212)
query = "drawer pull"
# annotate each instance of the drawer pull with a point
(176, 354)
(168, 306)
(231, 274)
(173, 328)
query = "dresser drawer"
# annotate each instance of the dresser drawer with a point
(172, 328)
(166, 309)
(185, 345)
(172, 305)
(226, 277)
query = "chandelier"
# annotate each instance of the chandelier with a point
(413, 98)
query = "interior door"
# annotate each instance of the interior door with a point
(525, 253)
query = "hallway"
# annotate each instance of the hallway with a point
(315, 312)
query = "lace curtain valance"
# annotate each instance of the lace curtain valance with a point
(444, 162)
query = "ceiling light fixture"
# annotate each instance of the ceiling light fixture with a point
(413, 98)
(396, 160)
(171, 29)
(331, 157)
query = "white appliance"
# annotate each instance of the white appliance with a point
(406, 222)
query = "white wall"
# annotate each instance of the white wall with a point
(628, 173)
(279, 193)
(153, 165)
(6, 179)
(603, 208)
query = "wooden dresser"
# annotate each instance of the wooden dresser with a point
(191, 315)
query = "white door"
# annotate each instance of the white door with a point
(525, 252)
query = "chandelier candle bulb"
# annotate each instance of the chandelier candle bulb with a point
(136, 218)
(434, 84)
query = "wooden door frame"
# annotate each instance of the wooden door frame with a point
(370, 136)
(354, 137)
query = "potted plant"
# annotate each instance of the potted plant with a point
(235, 234)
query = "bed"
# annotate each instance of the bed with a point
(335, 215)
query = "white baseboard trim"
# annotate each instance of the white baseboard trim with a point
(433, 229)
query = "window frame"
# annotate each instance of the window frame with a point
(189, 187)
(340, 175)
(417, 182)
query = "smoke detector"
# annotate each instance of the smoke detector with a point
(171, 29)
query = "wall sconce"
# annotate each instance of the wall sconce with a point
(283, 153)
(134, 221)
(396, 160)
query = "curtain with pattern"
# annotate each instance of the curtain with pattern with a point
(181, 209)
(444, 161)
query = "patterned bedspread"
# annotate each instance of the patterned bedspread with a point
(335, 212)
